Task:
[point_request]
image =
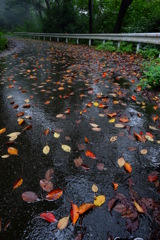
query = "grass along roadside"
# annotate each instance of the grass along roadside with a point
(3, 42)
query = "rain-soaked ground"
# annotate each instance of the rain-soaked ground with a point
(86, 106)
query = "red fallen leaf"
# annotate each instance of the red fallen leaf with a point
(74, 213)
(105, 99)
(18, 183)
(133, 98)
(26, 105)
(81, 146)
(54, 194)
(49, 174)
(46, 132)
(85, 207)
(152, 177)
(48, 216)
(104, 74)
(68, 111)
(89, 104)
(16, 106)
(90, 154)
(27, 127)
(85, 167)
(84, 110)
(29, 197)
(139, 137)
(127, 167)
(149, 134)
(101, 105)
(20, 114)
(46, 185)
(111, 203)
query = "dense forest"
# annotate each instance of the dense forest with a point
(80, 16)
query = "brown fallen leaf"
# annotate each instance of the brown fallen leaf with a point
(46, 185)
(78, 162)
(74, 213)
(63, 222)
(30, 197)
(139, 137)
(49, 174)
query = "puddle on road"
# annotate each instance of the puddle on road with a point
(36, 76)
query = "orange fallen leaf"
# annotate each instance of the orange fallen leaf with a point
(2, 130)
(127, 167)
(90, 154)
(18, 183)
(74, 213)
(139, 137)
(115, 185)
(124, 120)
(112, 114)
(86, 140)
(85, 207)
(47, 102)
(20, 114)
(20, 121)
(12, 151)
(138, 207)
(46, 132)
(155, 118)
(54, 194)
(26, 105)
(133, 98)
(27, 127)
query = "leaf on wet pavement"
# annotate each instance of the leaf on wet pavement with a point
(46, 149)
(46, 132)
(66, 148)
(78, 162)
(74, 213)
(113, 139)
(46, 185)
(94, 125)
(48, 216)
(85, 207)
(139, 137)
(89, 154)
(128, 167)
(119, 125)
(56, 135)
(30, 197)
(143, 151)
(62, 223)
(49, 174)
(111, 115)
(5, 156)
(99, 200)
(54, 194)
(94, 188)
(2, 130)
(115, 185)
(138, 207)
(121, 162)
(18, 183)
(12, 151)
(152, 177)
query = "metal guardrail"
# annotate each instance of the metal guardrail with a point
(151, 38)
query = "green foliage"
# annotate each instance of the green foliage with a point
(108, 46)
(149, 53)
(125, 47)
(3, 41)
(151, 74)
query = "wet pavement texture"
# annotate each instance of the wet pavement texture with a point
(70, 91)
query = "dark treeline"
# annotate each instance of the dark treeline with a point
(80, 16)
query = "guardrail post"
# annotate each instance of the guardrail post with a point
(77, 41)
(119, 44)
(66, 40)
(104, 41)
(89, 42)
(138, 47)
(57, 39)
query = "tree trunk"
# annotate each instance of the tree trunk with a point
(122, 11)
(90, 15)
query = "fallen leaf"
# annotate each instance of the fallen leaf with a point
(113, 139)
(46, 149)
(63, 222)
(47, 102)
(49, 174)
(86, 140)
(66, 148)
(2, 130)
(78, 162)
(18, 183)
(139, 137)
(112, 120)
(46, 132)
(89, 154)
(94, 188)
(46, 185)
(133, 98)
(128, 167)
(85, 167)
(124, 120)
(96, 129)
(100, 166)
(48, 216)
(111, 115)
(119, 125)
(85, 207)
(12, 151)
(54, 194)
(155, 118)
(56, 135)
(94, 125)
(59, 116)
(143, 151)
(27, 127)
(29, 197)
(138, 207)
(152, 177)
(115, 185)
(74, 213)
(20, 114)
(5, 156)
(26, 105)
(20, 121)
(99, 200)
(121, 162)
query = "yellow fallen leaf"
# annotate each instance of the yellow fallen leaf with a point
(94, 188)
(112, 120)
(63, 223)
(96, 104)
(149, 138)
(66, 148)
(46, 149)
(56, 135)
(121, 162)
(99, 200)
(138, 207)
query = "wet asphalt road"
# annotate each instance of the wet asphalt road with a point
(54, 79)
